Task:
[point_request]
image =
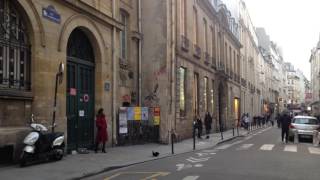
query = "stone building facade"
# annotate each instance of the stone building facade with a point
(191, 61)
(250, 64)
(97, 40)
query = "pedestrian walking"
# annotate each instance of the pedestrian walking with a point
(247, 121)
(102, 135)
(199, 126)
(208, 123)
(285, 123)
(278, 120)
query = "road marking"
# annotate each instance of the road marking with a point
(247, 138)
(224, 146)
(290, 148)
(183, 166)
(209, 151)
(267, 147)
(152, 176)
(201, 143)
(313, 150)
(244, 147)
(202, 154)
(196, 160)
(198, 165)
(191, 178)
(237, 142)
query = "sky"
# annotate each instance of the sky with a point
(293, 24)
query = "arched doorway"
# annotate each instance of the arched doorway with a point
(80, 90)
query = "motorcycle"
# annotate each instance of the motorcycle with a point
(41, 144)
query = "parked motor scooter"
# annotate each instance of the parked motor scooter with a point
(42, 145)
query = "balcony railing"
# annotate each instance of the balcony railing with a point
(185, 43)
(206, 58)
(243, 82)
(196, 51)
(14, 84)
(221, 67)
(258, 91)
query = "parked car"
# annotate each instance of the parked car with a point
(305, 125)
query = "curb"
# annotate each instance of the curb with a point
(150, 160)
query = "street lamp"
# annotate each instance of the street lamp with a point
(59, 79)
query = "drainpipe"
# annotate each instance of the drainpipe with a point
(114, 71)
(140, 52)
(173, 64)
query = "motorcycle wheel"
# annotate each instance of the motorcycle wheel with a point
(24, 159)
(58, 156)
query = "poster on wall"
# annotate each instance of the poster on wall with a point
(137, 113)
(123, 120)
(156, 116)
(130, 113)
(144, 114)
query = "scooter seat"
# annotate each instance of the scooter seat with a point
(52, 136)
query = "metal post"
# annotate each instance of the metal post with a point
(194, 137)
(233, 131)
(221, 132)
(315, 140)
(238, 130)
(296, 137)
(172, 145)
(55, 103)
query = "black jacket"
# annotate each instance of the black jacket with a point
(285, 121)
(208, 121)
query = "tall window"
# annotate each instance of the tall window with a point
(195, 26)
(183, 17)
(205, 35)
(212, 96)
(14, 49)
(206, 94)
(230, 58)
(213, 46)
(123, 35)
(196, 94)
(226, 54)
(182, 97)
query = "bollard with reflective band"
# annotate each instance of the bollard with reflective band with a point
(172, 141)
(296, 137)
(194, 136)
(315, 139)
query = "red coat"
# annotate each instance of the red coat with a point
(101, 123)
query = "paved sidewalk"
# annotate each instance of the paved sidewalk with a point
(80, 165)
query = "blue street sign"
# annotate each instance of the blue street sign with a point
(51, 14)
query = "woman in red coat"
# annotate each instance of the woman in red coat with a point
(102, 135)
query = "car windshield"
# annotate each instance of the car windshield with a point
(305, 121)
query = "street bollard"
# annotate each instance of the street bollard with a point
(315, 140)
(172, 142)
(221, 133)
(194, 137)
(238, 130)
(296, 137)
(233, 131)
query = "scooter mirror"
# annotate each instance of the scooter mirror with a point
(61, 71)
(32, 118)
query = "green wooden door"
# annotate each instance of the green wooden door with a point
(80, 104)
(80, 90)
